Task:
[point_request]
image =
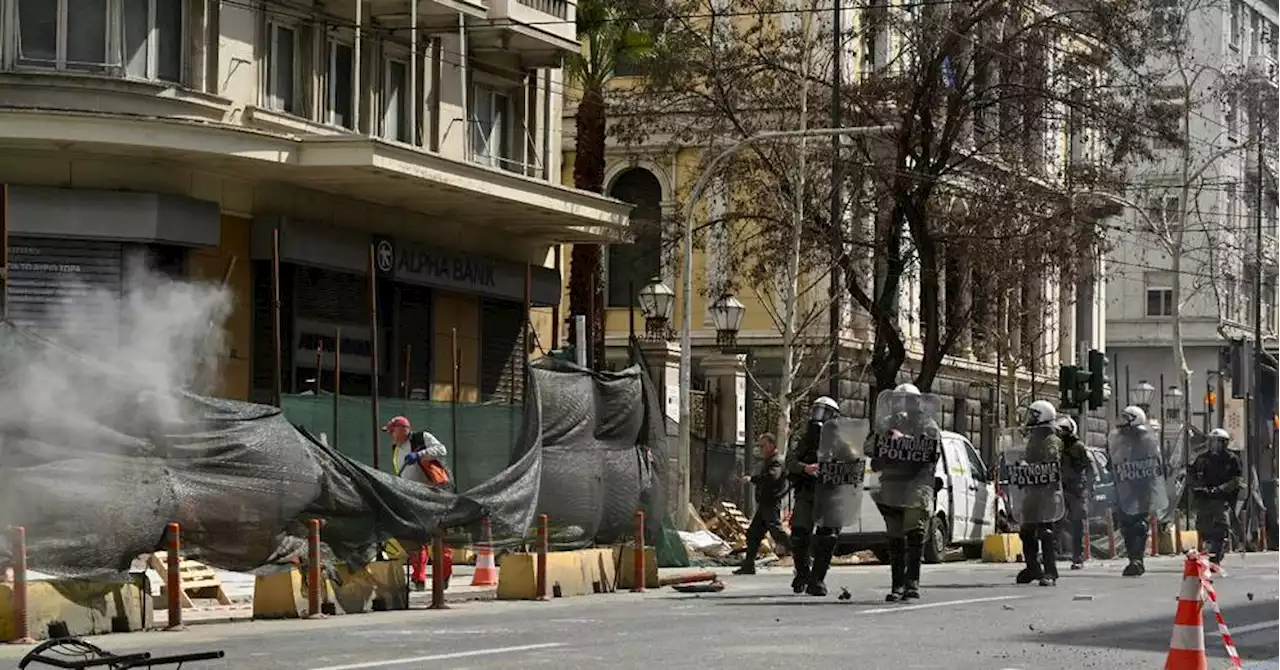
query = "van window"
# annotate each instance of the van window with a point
(977, 469)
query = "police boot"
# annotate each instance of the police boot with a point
(897, 571)
(915, 553)
(823, 548)
(1048, 557)
(800, 556)
(1134, 568)
(1031, 554)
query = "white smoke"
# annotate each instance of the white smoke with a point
(157, 336)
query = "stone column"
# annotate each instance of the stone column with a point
(727, 374)
(663, 359)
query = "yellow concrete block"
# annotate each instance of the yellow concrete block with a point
(86, 607)
(569, 573)
(1001, 548)
(625, 560)
(283, 595)
(1177, 543)
(379, 580)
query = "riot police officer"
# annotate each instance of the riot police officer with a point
(1141, 492)
(1077, 471)
(802, 469)
(1215, 481)
(904, 452)
(1040, 498)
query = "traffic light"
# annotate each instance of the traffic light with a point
(1099, 383)
(1067, 386)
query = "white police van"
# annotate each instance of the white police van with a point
(964, 509)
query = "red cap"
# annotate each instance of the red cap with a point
(395, 422)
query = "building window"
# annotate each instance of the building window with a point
(133, 38)
(1235, 26)
(282, 47)
(339, 100)
(631, 266)
(1159, 301)
(395, 101)
(490, 127)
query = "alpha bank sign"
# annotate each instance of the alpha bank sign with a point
(465, 273)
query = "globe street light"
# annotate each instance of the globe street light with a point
(1173, 405)
(1143, 394)
(656, 302)
(727, 312)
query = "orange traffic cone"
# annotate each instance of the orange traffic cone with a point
(1186, 649)
(486, 573)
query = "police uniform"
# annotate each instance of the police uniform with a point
(1077, 468)
(1216, 480)
(808, 543)
(906, 501)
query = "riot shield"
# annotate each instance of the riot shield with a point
(905, 448)
(1137, 467)
(841, 468)
(1034, 477)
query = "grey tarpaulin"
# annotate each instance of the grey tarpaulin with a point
(603, 452)
(95, 488)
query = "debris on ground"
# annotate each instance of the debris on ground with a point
(1082, 596)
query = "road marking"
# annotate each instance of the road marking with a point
(921, 606)
(1240, 630)
(442, 657)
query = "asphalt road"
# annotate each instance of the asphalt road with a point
(971, 616)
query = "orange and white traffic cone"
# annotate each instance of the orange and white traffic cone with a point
(1186, 649)
(486, 573)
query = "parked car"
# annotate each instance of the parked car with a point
(964, 509)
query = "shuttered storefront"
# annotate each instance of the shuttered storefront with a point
(49, 275)
(502, 350)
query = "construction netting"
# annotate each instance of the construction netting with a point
(95, 486)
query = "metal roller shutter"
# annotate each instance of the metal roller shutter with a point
(47, 274)
(339, 297)
(502, 350)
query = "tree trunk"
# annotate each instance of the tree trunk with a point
(586, 281)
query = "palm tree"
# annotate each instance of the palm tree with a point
(609, 34)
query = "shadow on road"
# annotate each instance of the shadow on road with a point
(761, 601)
(1153, 634)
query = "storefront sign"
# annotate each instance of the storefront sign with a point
(467, 273)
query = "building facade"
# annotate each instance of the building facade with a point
(657, 179)
(417, 139)
(1227, 46)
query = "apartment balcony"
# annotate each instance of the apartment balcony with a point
(541, 32)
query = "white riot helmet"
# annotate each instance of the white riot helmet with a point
(1067, 425)
(1218, 438)
(1133, 417)
(1041, 413)
(824, 408)
(907, 388)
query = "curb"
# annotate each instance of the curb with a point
(472, 596)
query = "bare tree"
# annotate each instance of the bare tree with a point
(969, 196)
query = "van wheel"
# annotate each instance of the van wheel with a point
(935, 540)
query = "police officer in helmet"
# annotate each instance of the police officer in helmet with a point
(1138, 471)
(802, 469)
(1215, 481)
(1041, 504)
(1077, 470)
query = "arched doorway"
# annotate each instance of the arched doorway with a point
(631, 266)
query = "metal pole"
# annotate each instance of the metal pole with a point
(749, 418)
(455, 396)
(314, 587)
(173, 581)
(337, 382)
(437, 571)
(413, 72)
(4, 252)
(837, 196)
(277, 345)
(544, 541)
(686, 294)
(637, 557)
(355, 75)
(319, 362)
(1256, 426)
(375, 361)
(408, 368)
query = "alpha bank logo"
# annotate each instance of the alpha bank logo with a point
(384, 255)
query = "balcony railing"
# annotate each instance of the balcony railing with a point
(556, 8)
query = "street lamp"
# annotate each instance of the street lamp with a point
(656, 302)
(686, 280)
(1143, 394)
(727, 312)
(1173, 405)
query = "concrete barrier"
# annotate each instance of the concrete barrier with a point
(87, 608)
(283, 595)
(1002, 548)
(624, 558)
(569, 573)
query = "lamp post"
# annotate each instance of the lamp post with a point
(727, 313)
(686, 272)
(1142, 395)
(656, 302)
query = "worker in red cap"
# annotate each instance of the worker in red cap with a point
(417, 457)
